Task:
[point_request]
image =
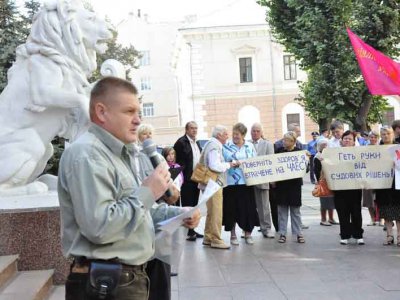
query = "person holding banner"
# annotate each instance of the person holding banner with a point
(389, 199)
(239, 205)
(289, 195)
(348, 204)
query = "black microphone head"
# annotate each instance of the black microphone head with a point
(149, 147)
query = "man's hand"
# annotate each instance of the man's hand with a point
(192, 222)
(175, 195)
(158, 182)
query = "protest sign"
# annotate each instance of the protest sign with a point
(395, 153)
(274, 167)
(368, 167)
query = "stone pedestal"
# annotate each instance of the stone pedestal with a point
(30, 227)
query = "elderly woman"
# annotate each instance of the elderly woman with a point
(388, 200)
(348, 204)
(289, 195)
(368, 196)
(145, 131)
(239, 205)
(327, 203)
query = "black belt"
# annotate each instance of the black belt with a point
(82, 261)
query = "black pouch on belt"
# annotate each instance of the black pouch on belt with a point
(103, 279)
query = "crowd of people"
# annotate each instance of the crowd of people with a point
(112, 194)
(252, 206)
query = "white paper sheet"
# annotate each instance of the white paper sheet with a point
(171, 235)
(395, 152)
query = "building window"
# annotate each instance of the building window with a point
(292, 119)
(145, 84)
(145, 58)
(289, 64)
(246, 72)
(388, 116)
(148, 109)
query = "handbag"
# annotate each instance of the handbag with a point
(201, 173)
(321, 188)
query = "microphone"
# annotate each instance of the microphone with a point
(150, 149)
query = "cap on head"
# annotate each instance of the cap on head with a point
(314, 133)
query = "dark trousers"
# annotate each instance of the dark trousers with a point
(274, 208)
(312, 174)
(160, 280)
(137, 288)
(348, 207)
(189, 196)
(239, 207)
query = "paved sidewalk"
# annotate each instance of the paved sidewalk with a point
(319, 269)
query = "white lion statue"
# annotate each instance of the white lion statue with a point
(47, 91)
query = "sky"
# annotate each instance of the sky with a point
(157, 10)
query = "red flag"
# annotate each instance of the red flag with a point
(381, 73)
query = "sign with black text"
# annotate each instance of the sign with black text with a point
(363, 167)
(274, 167)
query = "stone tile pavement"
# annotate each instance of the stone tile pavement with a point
(319, 269)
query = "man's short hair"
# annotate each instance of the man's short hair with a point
(106, 86)
(293, 126)
(337, 125)
(396, 124)
(257, 125)
(218, 129)
(190, 123)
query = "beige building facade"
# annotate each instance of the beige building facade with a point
(235, 72)
(222, 68)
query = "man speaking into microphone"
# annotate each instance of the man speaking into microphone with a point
(107, 201)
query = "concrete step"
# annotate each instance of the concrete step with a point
(57, 293)
(8, 268)
(28, 285)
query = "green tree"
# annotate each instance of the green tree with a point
(314, 31)
(14, 30)
(10, 37)
(32, 7)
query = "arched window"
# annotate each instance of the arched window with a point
(293, 113)
(248, 115)
(393, 111)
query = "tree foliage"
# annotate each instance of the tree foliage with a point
(315, 32)
(12, 34)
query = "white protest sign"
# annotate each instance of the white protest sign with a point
(274, 167)
(395, 153)
(364, 167)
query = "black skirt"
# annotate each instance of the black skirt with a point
(239, 206)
